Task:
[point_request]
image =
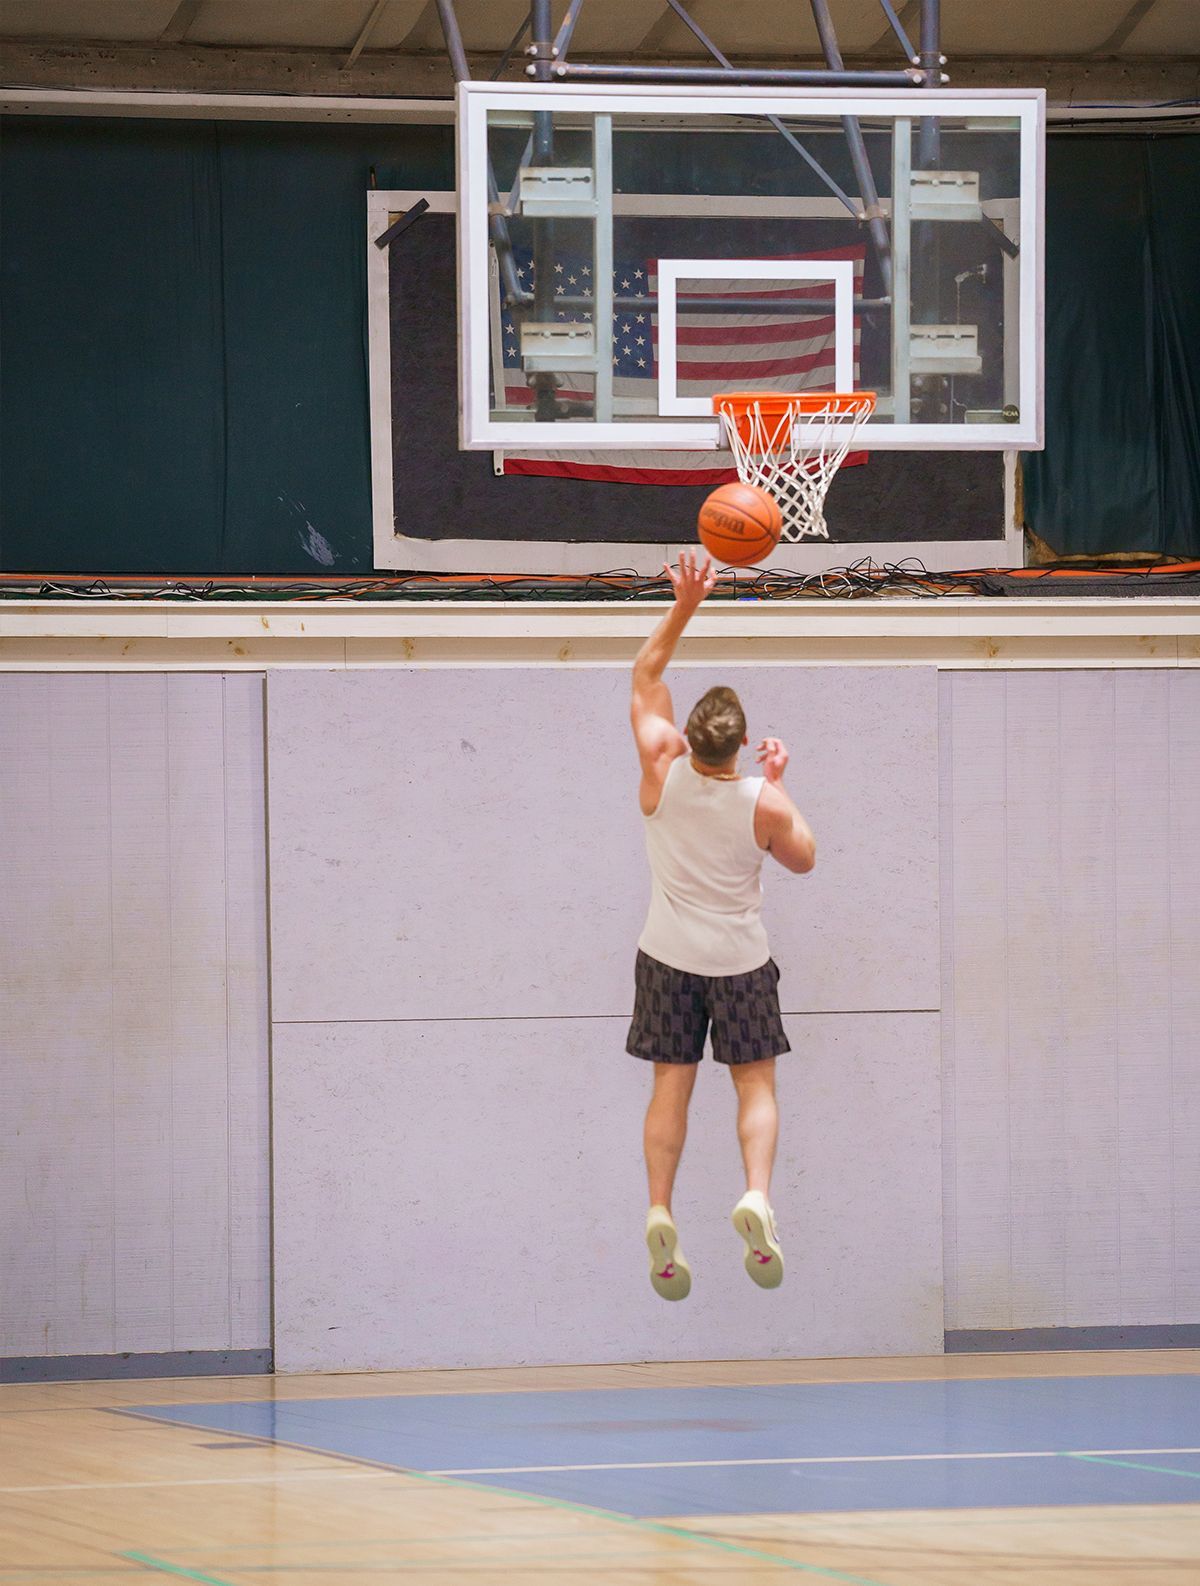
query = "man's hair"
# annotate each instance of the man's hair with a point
(716, 727)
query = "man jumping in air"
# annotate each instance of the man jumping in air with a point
(703, 959)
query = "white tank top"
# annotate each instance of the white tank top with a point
(706, 875)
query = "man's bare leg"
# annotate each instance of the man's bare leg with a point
(666, 1130)
(758, 1131)
(758, 1120)
(666, 1127)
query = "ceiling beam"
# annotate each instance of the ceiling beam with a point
(139, 104)
(200, 68)
(180, 21)
(364, 109)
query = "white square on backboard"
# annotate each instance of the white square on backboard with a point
(672, 271)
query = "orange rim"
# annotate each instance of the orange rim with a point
(735, 405)
(774, 403)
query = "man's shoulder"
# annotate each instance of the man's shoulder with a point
(771, 811)
(654, 777)
(669, 746)
(658, 766)
(771, 799)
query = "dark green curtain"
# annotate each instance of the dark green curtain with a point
(183, 336)
(1121, 468)
(112, 399)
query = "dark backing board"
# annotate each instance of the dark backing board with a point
(441, 492)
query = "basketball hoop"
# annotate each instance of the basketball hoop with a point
(792, 445)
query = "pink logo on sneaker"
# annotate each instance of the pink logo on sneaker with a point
(668, 1271)
(762, 1260)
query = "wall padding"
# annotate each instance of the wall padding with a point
(466, 843)
(133, 1015)
(1071, 1019)
(458, 881)
(469, 1192)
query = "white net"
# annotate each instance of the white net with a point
(791, 447)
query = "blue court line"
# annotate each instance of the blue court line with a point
(653, 1526)
(784, 1449)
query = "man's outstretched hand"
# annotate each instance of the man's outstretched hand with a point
(691, 582)
(773, 758)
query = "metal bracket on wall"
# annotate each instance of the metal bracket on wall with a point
(402, 223)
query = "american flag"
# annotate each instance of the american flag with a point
(765, 351)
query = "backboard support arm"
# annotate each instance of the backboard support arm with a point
(497, 224)
(785, 132)
(873, 214)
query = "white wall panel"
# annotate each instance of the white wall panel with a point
(1183, 840)
(200, 1088)
(467, 842)
(975, 1024)
(1035, 1014)
(1086, 1016)
(458, 880)
(1071, 1038)
(247, 1017)
(141, 1004)
(133, 1014)
(1142, 866)
(471, 1192)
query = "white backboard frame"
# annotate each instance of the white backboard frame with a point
(480, 432)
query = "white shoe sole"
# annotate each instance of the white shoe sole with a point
(764, 1258)
(669, 1271)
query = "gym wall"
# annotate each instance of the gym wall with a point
(989, 981)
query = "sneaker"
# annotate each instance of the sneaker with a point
(669, 1271)
(755, 1221)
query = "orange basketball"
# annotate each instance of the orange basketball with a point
(739, 524)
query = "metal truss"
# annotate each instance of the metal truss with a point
(549, 62)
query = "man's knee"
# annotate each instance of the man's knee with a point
(759, 1075)
(674, 1082)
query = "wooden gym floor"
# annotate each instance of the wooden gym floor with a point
(1043, 1470)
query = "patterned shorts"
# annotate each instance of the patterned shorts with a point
(673, 1010)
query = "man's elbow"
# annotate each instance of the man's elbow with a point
(794, 855)
(806, 860)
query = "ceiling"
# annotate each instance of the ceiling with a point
(621, 29)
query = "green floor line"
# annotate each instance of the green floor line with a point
(459, 1483)
(177, 1570)
(1131, 1464)
(657, 1527)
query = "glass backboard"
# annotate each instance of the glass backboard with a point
(627, 253)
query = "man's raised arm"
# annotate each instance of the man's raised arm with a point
(652, 713)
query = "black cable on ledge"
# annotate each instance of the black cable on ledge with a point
(860, 580)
